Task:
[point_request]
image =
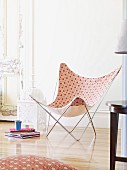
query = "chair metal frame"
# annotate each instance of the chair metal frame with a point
(57, 121)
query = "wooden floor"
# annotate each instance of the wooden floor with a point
(88, 154)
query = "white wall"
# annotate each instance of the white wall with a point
(82, 34)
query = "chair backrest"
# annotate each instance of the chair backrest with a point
(77, 89)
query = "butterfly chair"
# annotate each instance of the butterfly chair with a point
(76, 96)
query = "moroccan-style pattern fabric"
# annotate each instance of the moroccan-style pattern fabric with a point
(80, 90)
(32, 162)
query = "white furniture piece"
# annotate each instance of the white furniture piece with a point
(9, 67)
(31, 115)
(29, 112)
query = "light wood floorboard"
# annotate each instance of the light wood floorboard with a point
(88, 154)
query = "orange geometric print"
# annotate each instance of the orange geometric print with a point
(80, 90)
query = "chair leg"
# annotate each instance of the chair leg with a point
(48, 124)
(90, 121)
(65, 130)
(70, 132)
(57, 121)
(78, 123)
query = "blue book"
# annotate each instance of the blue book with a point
(22, 135)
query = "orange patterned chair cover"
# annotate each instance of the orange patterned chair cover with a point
(82, 89)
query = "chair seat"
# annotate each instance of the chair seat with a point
(32, 162)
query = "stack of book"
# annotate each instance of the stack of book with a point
(23, 133)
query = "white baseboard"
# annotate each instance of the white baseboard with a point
(100, 120)
(8, 118)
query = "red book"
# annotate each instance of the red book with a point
(22, 130)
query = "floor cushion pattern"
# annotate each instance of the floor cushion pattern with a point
(32, 162)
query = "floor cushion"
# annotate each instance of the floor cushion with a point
(32, 162)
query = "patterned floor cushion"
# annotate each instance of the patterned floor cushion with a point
(32, 162)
